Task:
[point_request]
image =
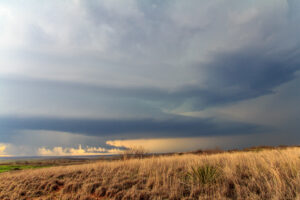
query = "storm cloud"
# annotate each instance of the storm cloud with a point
(179, 126)
(148, 69)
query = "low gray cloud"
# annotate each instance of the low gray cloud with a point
(139, 128)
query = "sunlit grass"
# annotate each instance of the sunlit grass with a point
(268, 174)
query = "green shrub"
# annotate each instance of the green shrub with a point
(203, 175)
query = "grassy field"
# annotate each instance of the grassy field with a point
(15, 165)
(6, 168)
(264, 174)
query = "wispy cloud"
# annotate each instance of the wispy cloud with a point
(3, 149)
(87, 151)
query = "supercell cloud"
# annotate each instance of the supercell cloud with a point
(81, 75)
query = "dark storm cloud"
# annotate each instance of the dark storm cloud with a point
(232, 76)
(175, 127)
(248, 73)
(253, 69)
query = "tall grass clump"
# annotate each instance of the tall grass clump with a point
(203, 175)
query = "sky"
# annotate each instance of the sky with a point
(96, 77)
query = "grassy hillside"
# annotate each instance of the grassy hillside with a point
(265, 174)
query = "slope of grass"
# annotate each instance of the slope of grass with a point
(267, 174)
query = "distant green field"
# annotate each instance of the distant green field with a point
(6, 168)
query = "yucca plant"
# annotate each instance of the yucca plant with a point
(203, 175)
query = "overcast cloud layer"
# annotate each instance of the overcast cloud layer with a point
(88, 72)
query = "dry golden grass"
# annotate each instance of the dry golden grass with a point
(268, 174)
